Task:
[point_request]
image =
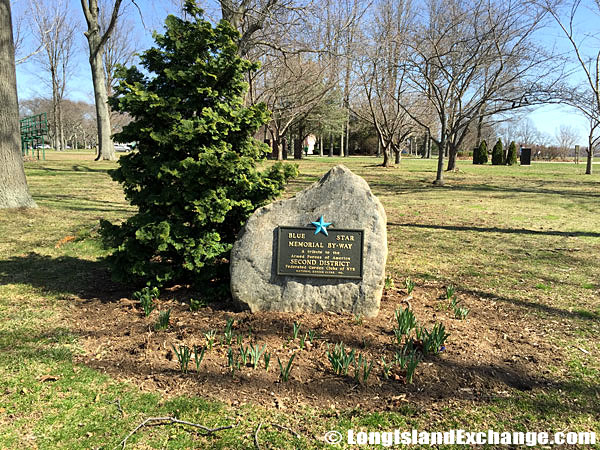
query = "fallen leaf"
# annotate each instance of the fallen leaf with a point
(64, 240)
(45, 378)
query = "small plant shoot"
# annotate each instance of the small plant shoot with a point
(296, 330)
(196, 305)
(284, 371)
(410, 285)
(255, 354)
(340, 359)
(164, 319)
(210, 338)
(433, 342)
(406, 322)
(198, 356)
(146, 298)
(184, 354)
(389, 283)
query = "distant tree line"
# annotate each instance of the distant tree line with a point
(436, 76)
(364, 76)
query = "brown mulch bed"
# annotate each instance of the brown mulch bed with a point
(496, 349)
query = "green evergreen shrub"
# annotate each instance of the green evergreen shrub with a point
(480, 154)
(193, 177)
(511, 157)
(498, 154)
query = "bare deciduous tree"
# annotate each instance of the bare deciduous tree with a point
(55, 31)
(291, 89)
(256, 21)
(97, 39)
(587, 58)
(475, 59)
(121, 46)
(566, 138)
(343, 41)
(526, 133)
(277, 33)
(120, 49)
(581, 100)
(14, 192)
(382, 74)
(19, 38)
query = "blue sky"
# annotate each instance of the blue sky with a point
(547, 119)
(29, 76)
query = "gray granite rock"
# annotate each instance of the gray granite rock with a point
(344, 199)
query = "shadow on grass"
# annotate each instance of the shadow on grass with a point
(24, 343)
(64, 275)
(73, 168)
(379, 183)
(550, 310)
(76, 203)
(538, 190)
(499, 230)
(578, 314)
(540, 395)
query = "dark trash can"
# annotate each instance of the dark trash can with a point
(525, 156)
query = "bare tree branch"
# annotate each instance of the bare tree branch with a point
(168, 421)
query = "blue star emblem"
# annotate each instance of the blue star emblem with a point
(321, 226)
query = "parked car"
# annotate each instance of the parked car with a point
(122, 148)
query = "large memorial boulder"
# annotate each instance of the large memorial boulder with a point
(340, 201)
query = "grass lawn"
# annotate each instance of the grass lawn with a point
(521, 245)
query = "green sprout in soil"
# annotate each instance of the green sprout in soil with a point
(284, 372)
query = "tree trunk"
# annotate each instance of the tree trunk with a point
(479, 127)
(347, 147)
(14, 192)
(330, 144)
(439, 179)
(321, 145)
(590, 154)
(278, 147)
(297, 149)
(427, 145)
(56, 137)
(387, 156)
(451, 158)
(61, 128)
(298, 143)
(284, 145)
(106, 150)
(344, 149)
(96, 42)
(342, 143)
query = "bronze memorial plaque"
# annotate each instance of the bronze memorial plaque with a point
(304, 252)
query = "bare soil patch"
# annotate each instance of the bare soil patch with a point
(496, 349)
